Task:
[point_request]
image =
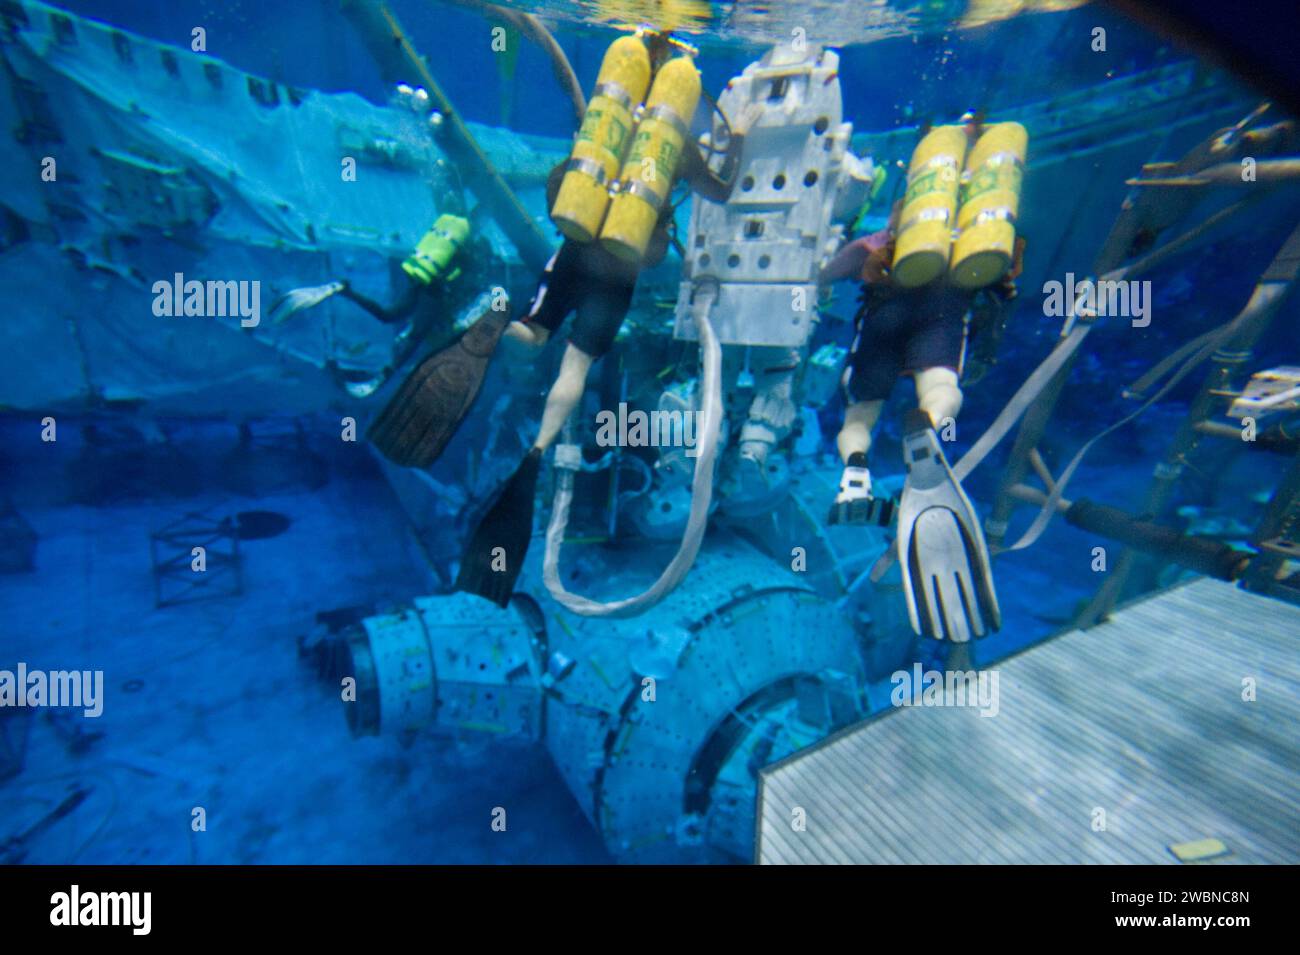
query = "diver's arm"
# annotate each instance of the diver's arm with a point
(716, 187)
(847, 262)
(865, 258)
(1005, 288)
(393, 314)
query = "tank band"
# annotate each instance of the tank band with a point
(1004, 158)
(642, 191)
(936, 214)
(613, 91)
(934, 162)
(588, 167)
(1000, 214)
(666, 114)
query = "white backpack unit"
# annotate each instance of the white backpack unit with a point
(766, 244)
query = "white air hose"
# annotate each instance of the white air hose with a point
(701, 489)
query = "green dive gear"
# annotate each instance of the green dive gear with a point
(947, 579)
(878, 177)
(435, 251)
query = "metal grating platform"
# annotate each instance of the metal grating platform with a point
(1141, 717)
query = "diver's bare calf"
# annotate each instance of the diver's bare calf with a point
(564, 395)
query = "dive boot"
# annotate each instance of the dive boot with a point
(854, 504)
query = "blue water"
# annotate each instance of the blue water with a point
(895, 81)
(219, 705)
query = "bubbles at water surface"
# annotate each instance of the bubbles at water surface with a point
(830, 22)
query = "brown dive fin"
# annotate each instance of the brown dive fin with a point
(425, 412)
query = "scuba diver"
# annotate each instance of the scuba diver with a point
(917, 316)
(611, 234)
(436, 262)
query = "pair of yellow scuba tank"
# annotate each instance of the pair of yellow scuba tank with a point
(627, 152)
(980, 190)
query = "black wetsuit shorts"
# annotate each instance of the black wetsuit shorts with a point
(903, 331)
(584, 278)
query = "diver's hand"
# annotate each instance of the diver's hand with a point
(875, 270)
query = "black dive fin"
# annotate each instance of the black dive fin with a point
(426, 411)
(496, 551)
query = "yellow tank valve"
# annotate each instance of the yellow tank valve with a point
(929, 207)
(990, 202)
(651, 167)
(602, 140)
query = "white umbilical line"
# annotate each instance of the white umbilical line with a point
(701, 492)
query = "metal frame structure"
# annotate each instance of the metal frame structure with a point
(1163, 194)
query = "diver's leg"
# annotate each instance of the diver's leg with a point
(853, 442)
(855, 434)
(564, 394)
(935, 350)
(496, 550)
(498, 546)
(947, 578)
(876, 360)
(938, 394)
(528, 333)
(877, 357)
(602, 304)
(555, 297)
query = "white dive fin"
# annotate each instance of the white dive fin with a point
(947, 579)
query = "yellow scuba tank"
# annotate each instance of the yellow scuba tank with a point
(929, 206)
(602, 139)
(436, 249)
(986, 223)
(651, 166)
